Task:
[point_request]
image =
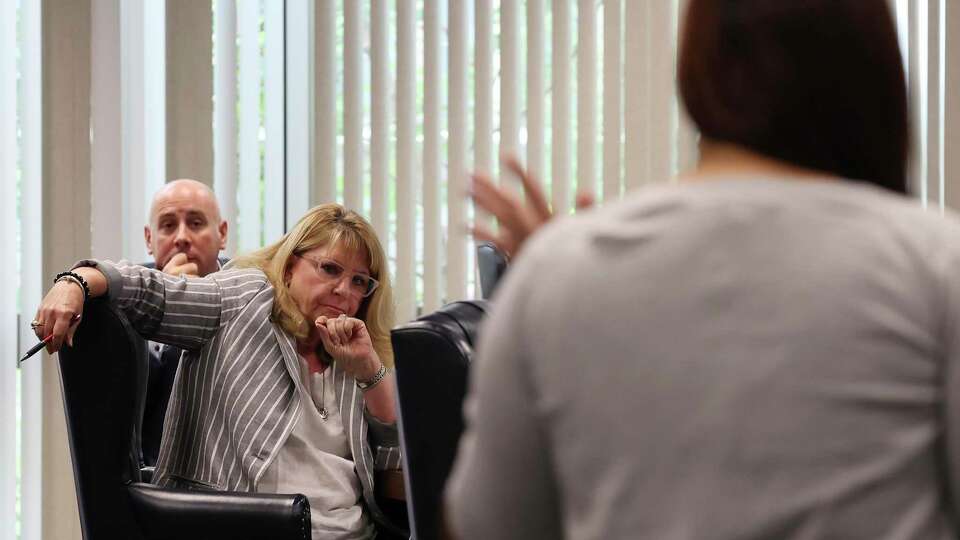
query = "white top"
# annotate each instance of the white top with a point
(316, 462)
(725, 359)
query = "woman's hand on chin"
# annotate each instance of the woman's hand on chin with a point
(346, 340)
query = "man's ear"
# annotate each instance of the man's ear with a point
(147, 236)
(223, 234)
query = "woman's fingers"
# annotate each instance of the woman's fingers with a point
(343, 332)
(324, 333)
(503, 241)
(57, 315)
(516, 221)
(332, 331)
(518, 218)
(327, 333)
(531, 186)
(355, 328)
(497, 202)
(584, 200)
(70, 332)
(337, 330)
(37, 324)
(62, 326)
(482, 234)
(341, 336)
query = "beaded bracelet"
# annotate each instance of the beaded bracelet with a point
(366, 385)
(76, 278)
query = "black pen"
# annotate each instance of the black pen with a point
(35, 349)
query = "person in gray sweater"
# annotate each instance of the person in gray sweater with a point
(766, 349)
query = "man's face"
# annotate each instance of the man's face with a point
(184, 218)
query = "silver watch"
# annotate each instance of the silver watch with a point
(375, 380)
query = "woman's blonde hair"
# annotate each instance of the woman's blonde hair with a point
(328, 225)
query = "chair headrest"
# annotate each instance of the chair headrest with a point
(103, 378)
(456, 322)
(492, 264)
(432, 356)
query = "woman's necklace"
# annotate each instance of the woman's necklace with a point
(327, 364)
(319, 363)
(323, 394)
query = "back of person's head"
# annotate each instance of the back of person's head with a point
(328, 225)
(816, 83)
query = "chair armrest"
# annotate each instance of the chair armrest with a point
(146, 473)
(389, 484)
(184, 514)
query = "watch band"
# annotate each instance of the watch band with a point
(375, 380)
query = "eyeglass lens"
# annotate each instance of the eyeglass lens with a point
(360, 283)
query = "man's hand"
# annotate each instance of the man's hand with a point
(518, 220)
(178, 264)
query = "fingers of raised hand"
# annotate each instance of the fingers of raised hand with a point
(504, 240)
(491, 198)
(584, 200)
(501, 204)
(482, 234)
(531, 186)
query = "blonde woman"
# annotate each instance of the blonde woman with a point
(285, 384)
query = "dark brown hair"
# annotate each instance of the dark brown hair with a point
(817, 83)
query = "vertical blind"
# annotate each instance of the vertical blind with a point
(406, 98)
(8, 244)
(385, 106)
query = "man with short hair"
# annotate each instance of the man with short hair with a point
(185, 235)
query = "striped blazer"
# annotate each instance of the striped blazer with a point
(235, 397)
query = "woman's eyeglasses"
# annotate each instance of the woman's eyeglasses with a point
(361, 284)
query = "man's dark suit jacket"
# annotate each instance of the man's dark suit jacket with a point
(164, 360)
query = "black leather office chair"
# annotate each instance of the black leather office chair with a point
(492, 264)
(103, 378)
(432, 356)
